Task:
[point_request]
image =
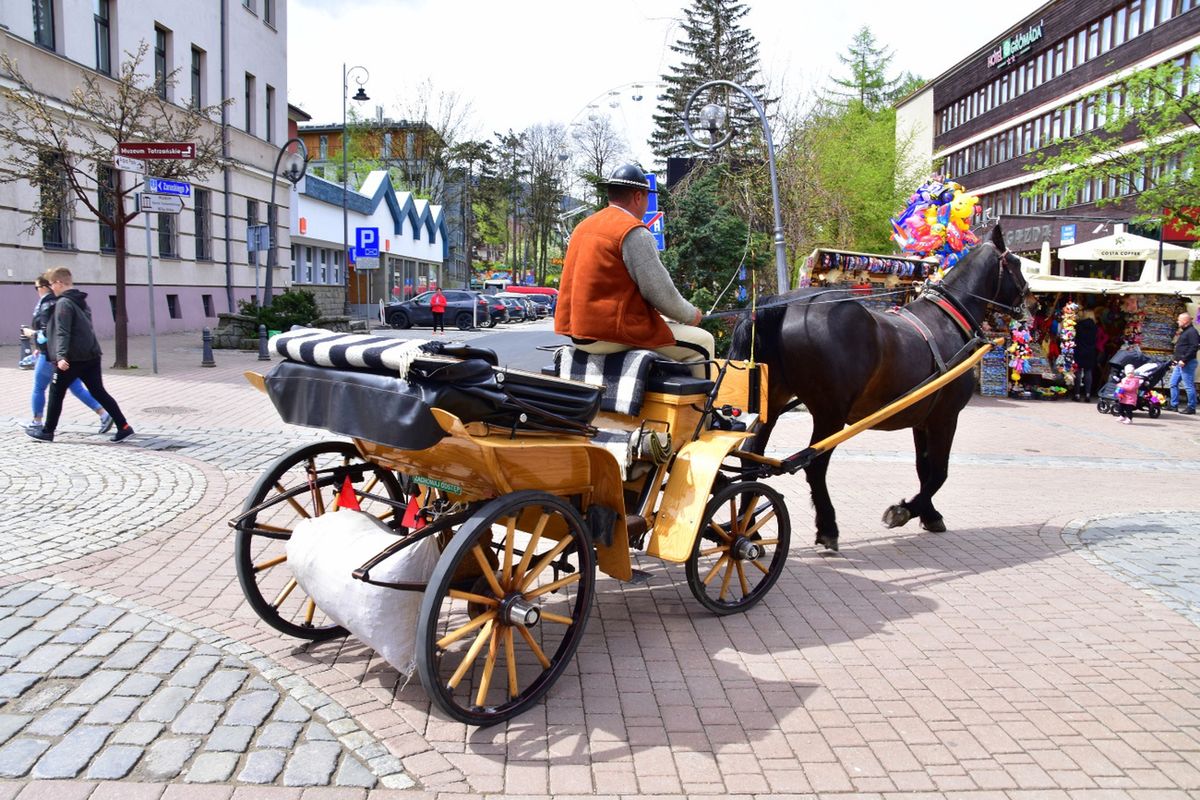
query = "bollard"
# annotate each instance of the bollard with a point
(262, 344)
(206, 358)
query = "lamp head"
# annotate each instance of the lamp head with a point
(360, 96)
(712, 116)
(294, 166)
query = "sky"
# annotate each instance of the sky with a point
(523, 62)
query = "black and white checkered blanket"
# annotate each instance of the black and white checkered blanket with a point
(623, 375)
(324, 348)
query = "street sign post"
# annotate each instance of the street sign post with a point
(366, 242)
(164, 186)
(366, 262)
(159, 203)
(127, 164)
(157, 150)
(258, 238)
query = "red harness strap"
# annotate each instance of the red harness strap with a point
(954, 314)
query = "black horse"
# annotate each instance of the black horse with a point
(844, 361)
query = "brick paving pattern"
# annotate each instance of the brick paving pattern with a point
(1046, 646)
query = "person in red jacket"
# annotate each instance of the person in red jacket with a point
(437, 304)
(615, 291)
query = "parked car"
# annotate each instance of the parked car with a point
(516, 311)
(529, 309)
(463, 310)
(497, 311)
(544, 303)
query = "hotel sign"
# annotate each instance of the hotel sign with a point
(1007, 51)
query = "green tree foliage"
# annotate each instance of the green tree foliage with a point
(708, 237)
(714, 46)
(868, 84)
(1161, 106)
(293, 307)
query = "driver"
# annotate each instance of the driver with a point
(615, 290)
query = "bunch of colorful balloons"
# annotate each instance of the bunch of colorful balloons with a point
(937, 222)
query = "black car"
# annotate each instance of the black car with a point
(497, 309)
(463, 310)
(516, 311)
(544, 303)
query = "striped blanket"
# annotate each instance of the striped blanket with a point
(623, 375)
(324, 348)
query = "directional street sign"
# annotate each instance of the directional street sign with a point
(127, 164)
(159, 203)
(157, 149)
(258, 238)
(164, 186)
(366, 241)
(654, 221)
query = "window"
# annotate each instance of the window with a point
(297, 251)
(270, 112)
(168, 236)
(251, 221)
(386, 151)
(160, 61)
(308, 265)
(43, 23)
(1120, 25)
(1135, 18)
(250, 5)
(103, 42)
(337, 267)
(173, 307)
(203, 235)
(248, 102)
(197, 77)
(209, 309)
(106, 197)
(323, 273)
(55, 204)
(269, 12)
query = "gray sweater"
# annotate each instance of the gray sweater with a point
(653, 281)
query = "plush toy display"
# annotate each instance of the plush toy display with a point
(1066, 337)
(937, 222)
(1020, 351)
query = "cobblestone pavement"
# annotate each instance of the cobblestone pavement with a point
(1047, 646)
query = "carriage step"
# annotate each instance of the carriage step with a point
(639, 576)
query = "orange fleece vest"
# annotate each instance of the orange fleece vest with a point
(597, 298)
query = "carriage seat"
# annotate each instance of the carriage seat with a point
(627, 376)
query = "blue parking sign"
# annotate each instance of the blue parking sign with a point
(366, 242)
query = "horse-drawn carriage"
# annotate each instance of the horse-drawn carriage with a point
(527, 484)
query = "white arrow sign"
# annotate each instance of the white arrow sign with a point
(160, 203)
(127, 164)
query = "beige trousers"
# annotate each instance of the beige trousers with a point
(691, 344)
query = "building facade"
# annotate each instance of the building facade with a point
(217, 49)
(981, 121)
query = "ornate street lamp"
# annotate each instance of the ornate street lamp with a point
(359, 97)
(294, 165)
(713, 118)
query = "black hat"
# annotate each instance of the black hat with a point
(628, 175)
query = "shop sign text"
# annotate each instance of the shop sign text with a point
(1008, 49)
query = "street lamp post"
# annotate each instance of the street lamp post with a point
(359, 97)
(713, 117)
(294, 167)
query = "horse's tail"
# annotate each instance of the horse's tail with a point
(755, 328)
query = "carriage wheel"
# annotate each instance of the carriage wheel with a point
(741, 548)
(505, 609)
(261, 542)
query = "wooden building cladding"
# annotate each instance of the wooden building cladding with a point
(974, 97)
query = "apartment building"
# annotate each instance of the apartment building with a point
(983, 118)
(217, 49)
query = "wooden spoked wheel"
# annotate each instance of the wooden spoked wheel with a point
(261, 543)
(506, 607)
(741, 548)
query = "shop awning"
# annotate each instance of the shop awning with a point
(1122, 246)
(1184, 288)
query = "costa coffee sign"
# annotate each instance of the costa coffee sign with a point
(161, 150)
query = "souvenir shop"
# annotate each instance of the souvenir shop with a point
(882, 281)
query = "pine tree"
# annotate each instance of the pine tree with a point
(714, 47)
(868, 83)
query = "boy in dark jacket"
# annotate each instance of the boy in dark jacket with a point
(73, 348)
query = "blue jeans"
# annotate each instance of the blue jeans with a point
(43, 371)
(1187, 376)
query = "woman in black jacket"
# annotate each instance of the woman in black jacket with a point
(1085, 355)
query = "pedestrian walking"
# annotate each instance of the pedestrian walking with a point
(1187, 342)
(437, 304)
(72, 345)
(1127, 392)
(43, 368)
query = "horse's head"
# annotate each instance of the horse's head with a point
(992, 275)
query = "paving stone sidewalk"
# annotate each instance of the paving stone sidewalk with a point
(92, 689)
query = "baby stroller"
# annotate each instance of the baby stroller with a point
(1148, 369)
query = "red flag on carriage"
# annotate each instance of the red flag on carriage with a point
(347, 498)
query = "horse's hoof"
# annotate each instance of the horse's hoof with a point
(828, 542)
(934, 525)
(896, 515)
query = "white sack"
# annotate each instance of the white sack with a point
(323, 552)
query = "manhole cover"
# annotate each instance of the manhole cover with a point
(168, 410)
